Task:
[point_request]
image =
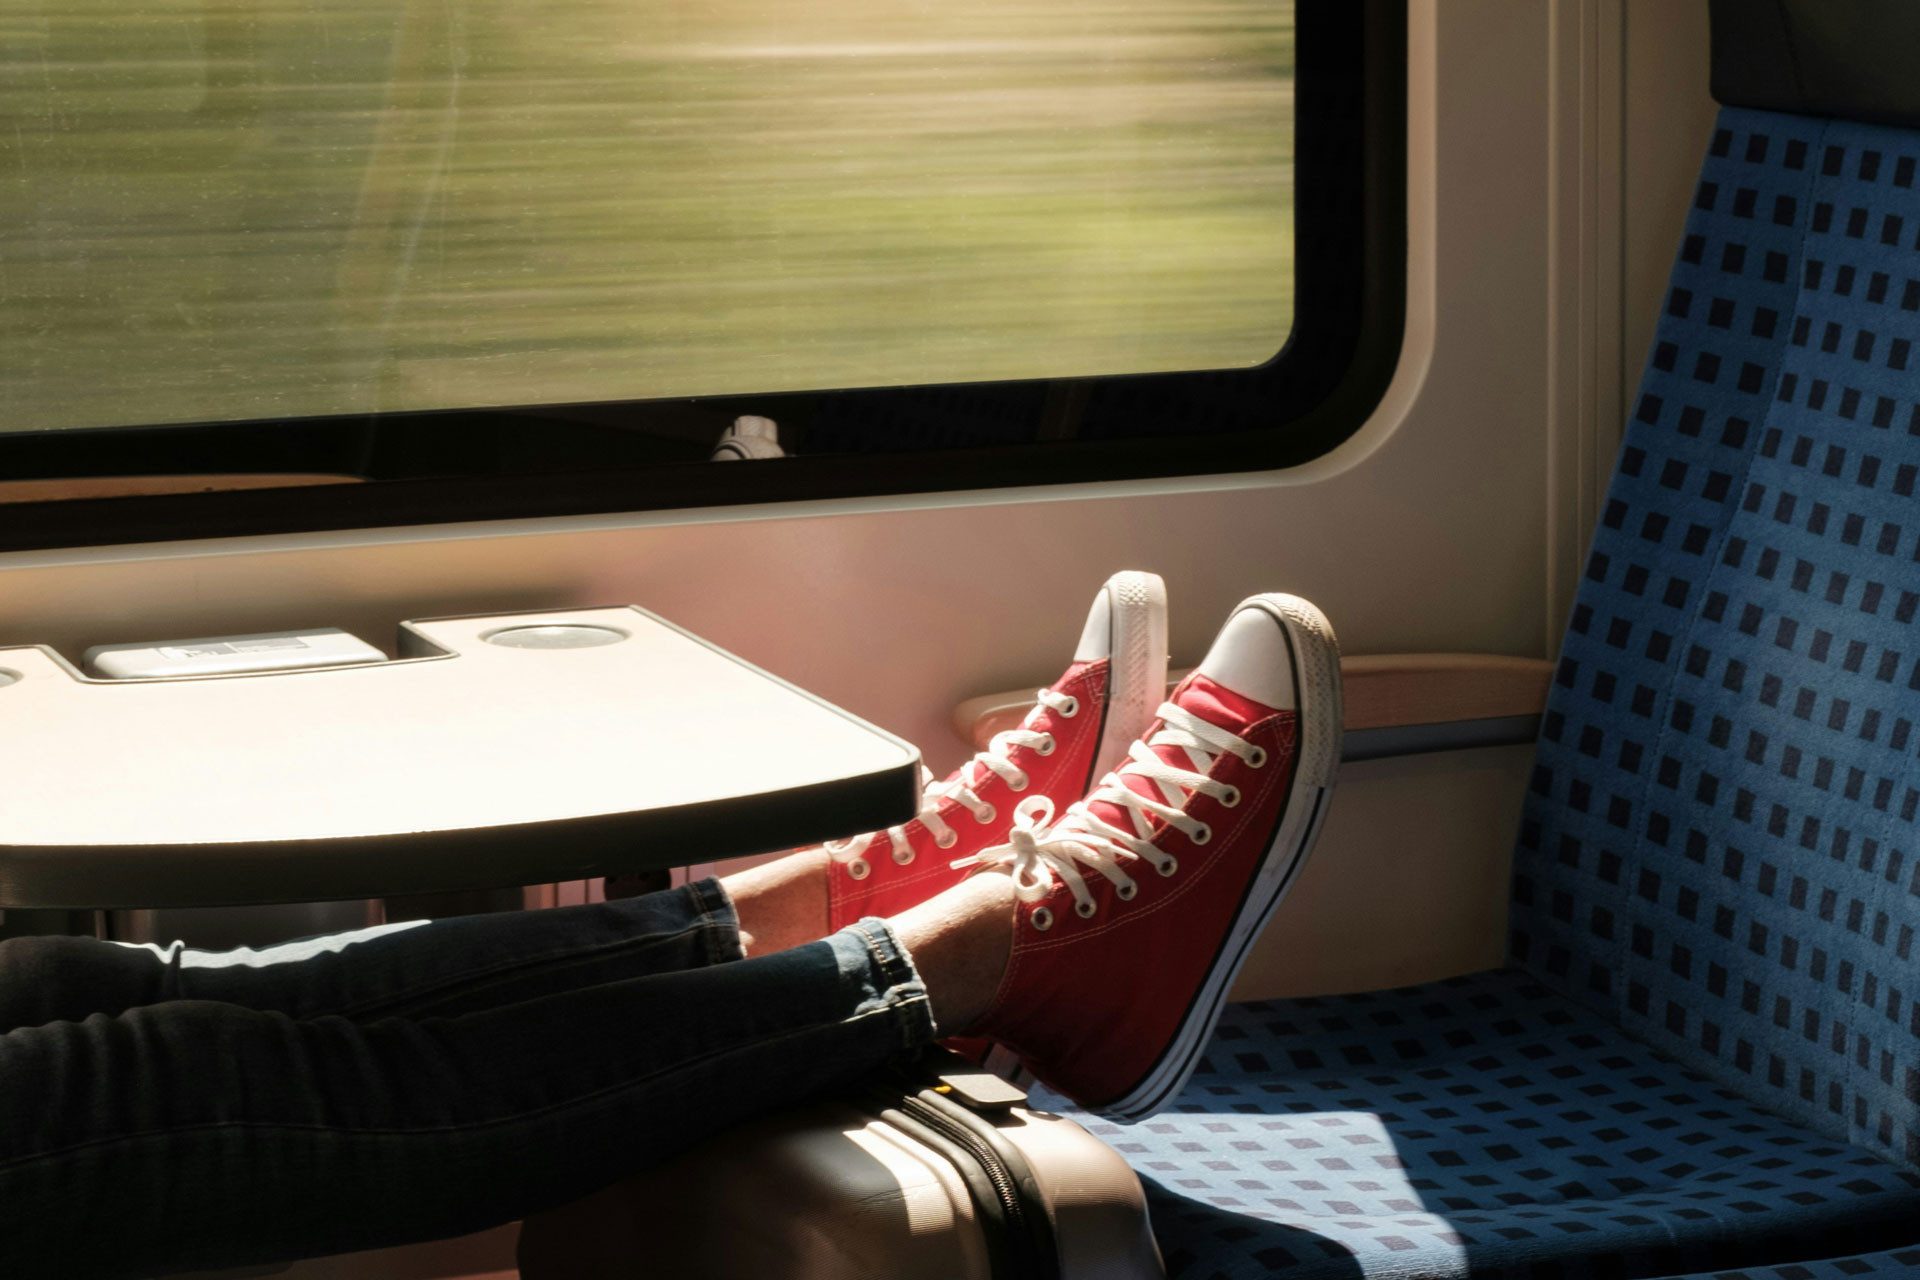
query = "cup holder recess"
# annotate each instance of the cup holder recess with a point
(566, 635)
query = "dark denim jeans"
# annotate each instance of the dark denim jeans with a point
(162, 1109)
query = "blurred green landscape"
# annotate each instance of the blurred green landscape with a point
(229, 209)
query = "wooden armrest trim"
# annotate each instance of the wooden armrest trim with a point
(1385, 691)
(1388, 690)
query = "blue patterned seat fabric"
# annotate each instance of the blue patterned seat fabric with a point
(1482, 1126)
(1892, 1262)
(1717, 850)
(1706, 1053)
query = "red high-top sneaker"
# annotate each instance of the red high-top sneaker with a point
(1136, 909)
(1081, 728)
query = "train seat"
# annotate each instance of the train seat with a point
(1480, 1125)
(1706, 1049)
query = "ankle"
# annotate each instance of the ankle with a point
(781, 904)
(960, 942)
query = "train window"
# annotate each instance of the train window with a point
(494, 260)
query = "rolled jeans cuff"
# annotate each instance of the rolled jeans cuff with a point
(720, 920)
(872, 958)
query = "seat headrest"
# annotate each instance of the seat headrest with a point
(1851, 59)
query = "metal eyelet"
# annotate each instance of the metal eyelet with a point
(1042, 919)
(1126, 892)
(1021, 783)
(1231, 800)
(1085, 909)
(1168, 867)
(1072, 708)
(988, 815)
(947, 839)
(859, 869)
(1204, 834)
(1045, 745)
(1257, 758)
(903, 856)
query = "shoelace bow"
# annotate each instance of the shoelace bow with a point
(994, 761)
(1040, 852)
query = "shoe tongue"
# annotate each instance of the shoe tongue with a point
(1212, 702)
(1096, 638)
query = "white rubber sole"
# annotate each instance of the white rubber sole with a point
(1137, 663)
(1316, 681)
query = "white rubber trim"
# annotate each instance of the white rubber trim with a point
(1137, 670)
(1316, 673)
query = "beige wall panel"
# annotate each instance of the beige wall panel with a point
(1409, 881)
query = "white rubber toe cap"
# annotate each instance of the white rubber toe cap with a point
(1250, 657)
(1096, 639)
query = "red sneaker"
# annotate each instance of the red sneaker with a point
(1081, 728)
(1138, 907)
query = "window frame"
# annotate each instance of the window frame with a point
(1350, 306)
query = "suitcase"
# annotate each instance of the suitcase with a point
(942, 1173)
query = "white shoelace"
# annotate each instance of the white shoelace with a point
(1040, 852)
(993, 762)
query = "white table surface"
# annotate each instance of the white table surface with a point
(464, 764)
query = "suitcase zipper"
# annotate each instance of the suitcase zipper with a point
(1019, 1247)
(989, 1160)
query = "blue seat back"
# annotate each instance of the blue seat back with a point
(1718, 841)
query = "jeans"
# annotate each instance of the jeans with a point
(162, 1109)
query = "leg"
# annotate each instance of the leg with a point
(959, 938)
(196, 1134)
(418, 967)
(421, 967)
(783, 903)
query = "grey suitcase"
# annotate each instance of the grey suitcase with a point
(942, 1175)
